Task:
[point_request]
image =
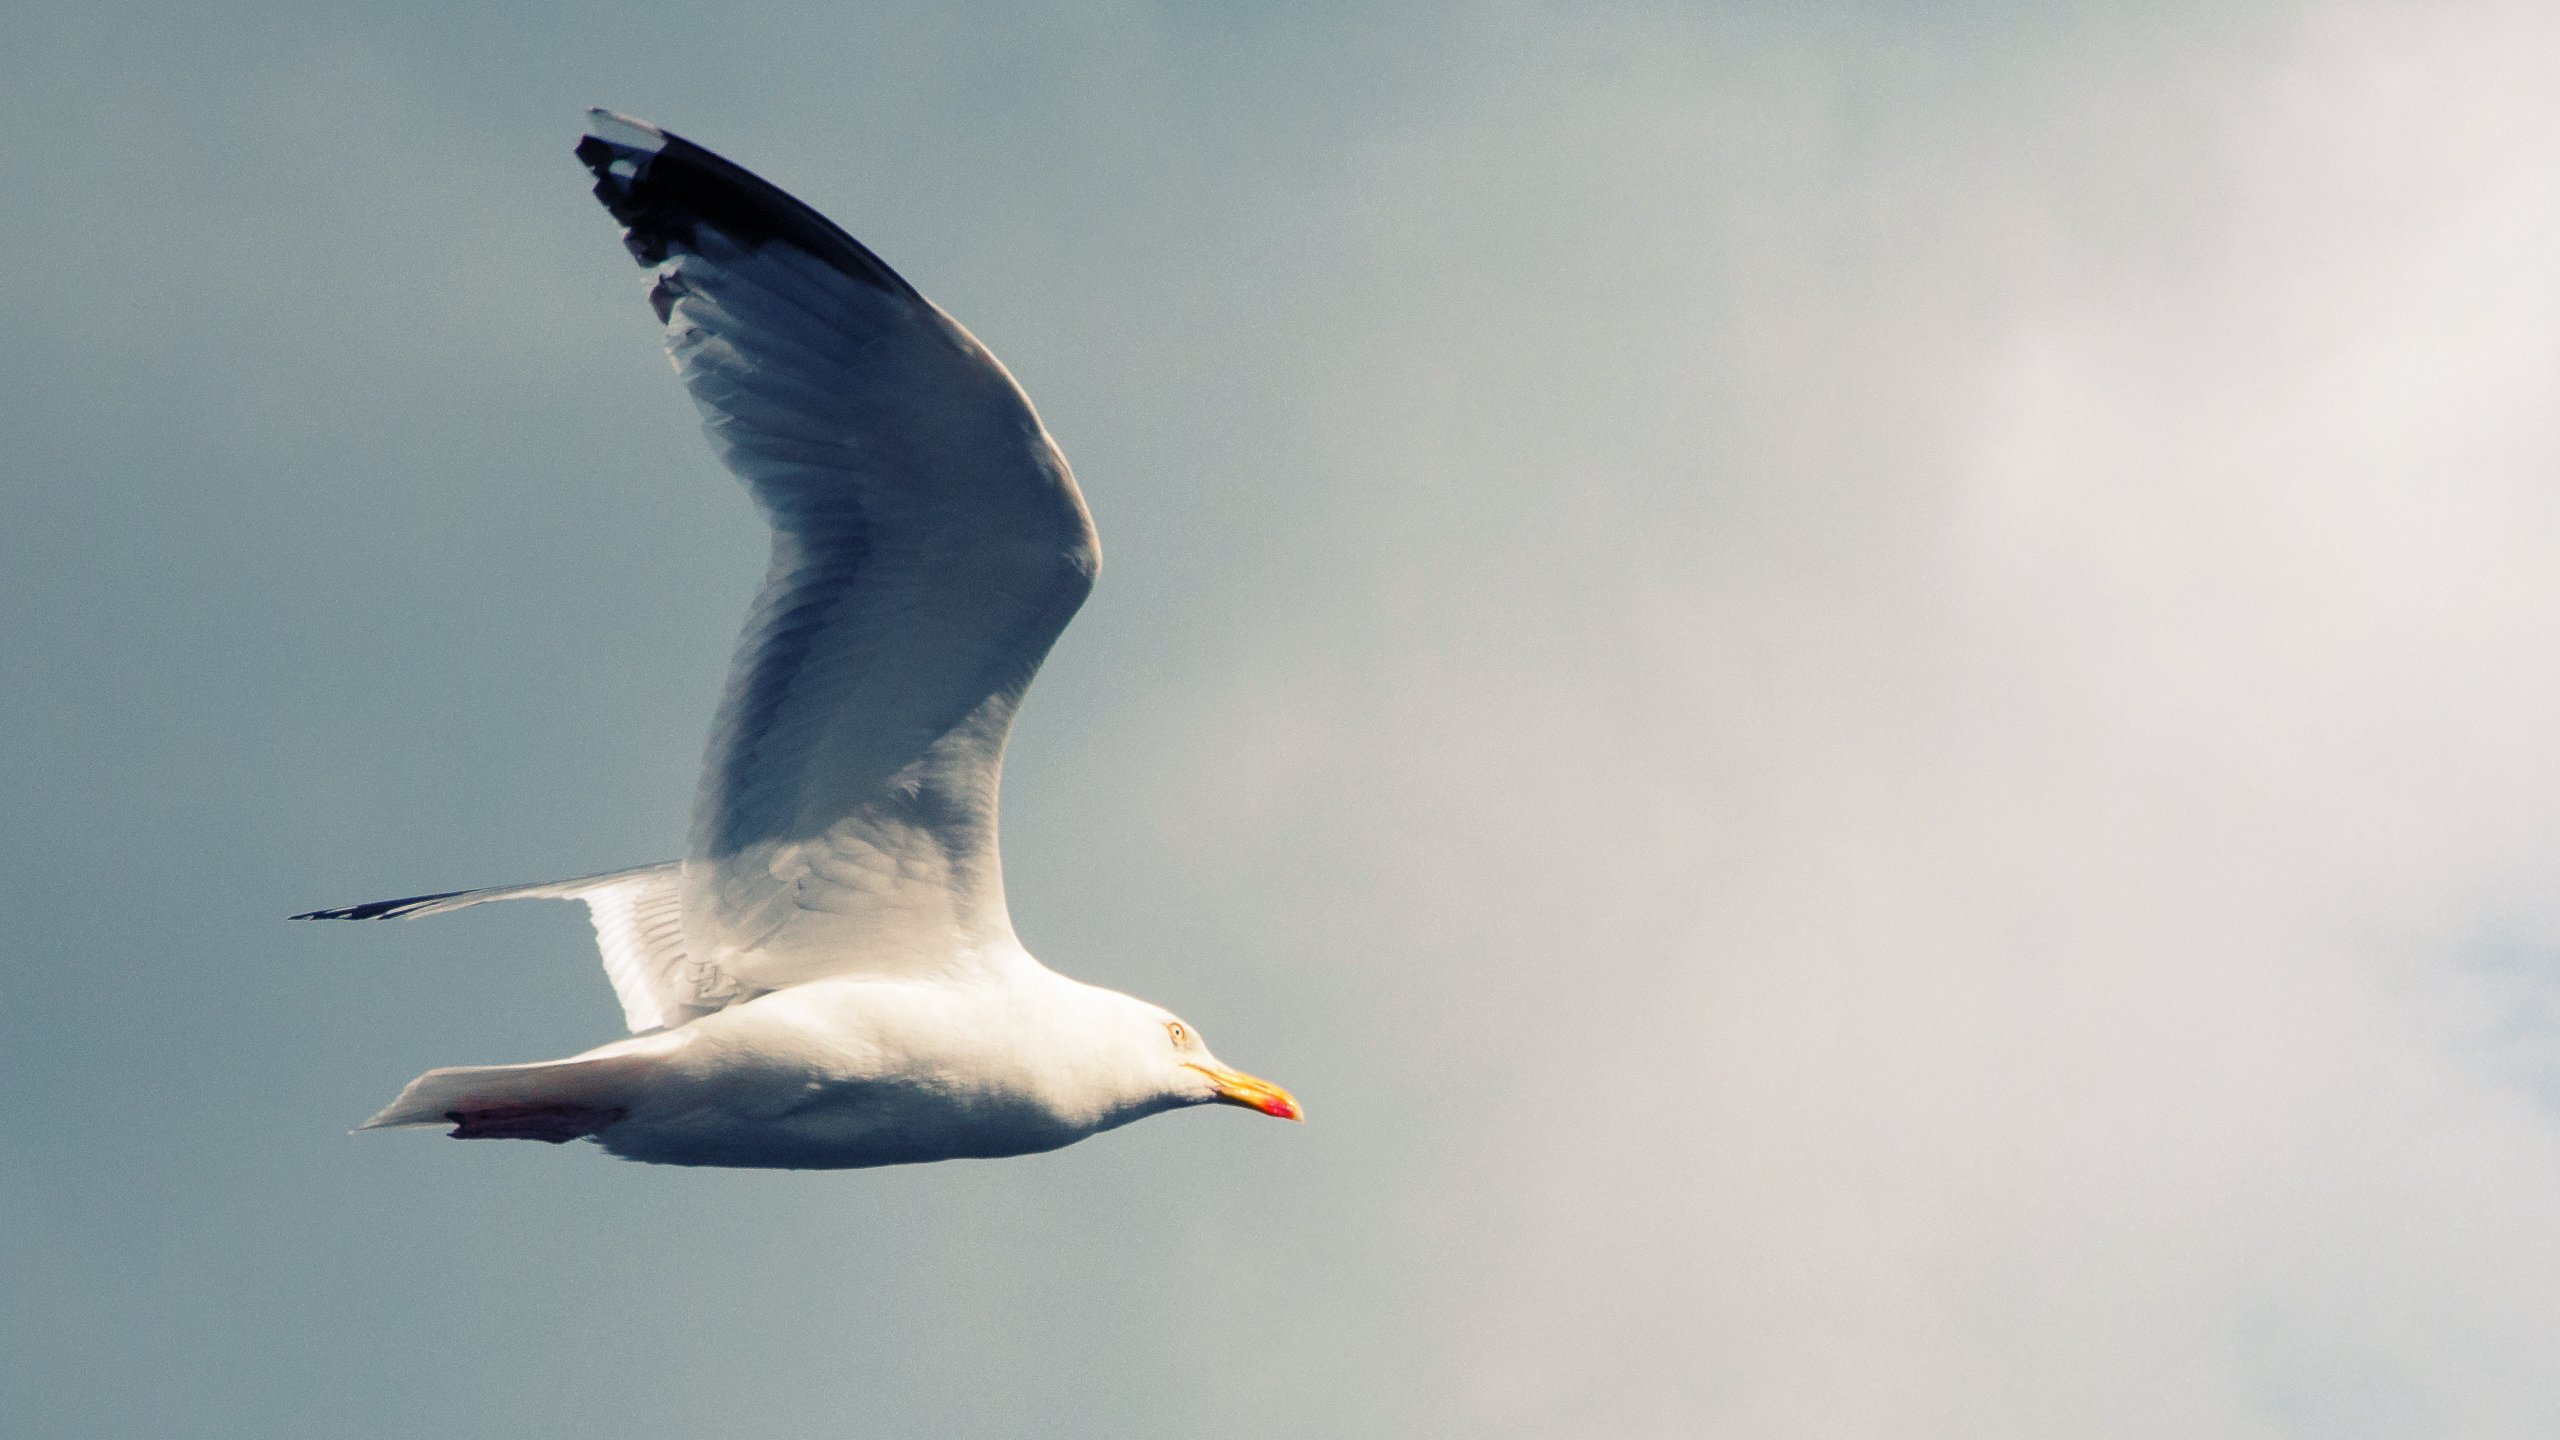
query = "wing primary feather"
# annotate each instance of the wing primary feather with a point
(381, 909)
(661, 195)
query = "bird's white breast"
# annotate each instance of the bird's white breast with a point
(861, 1070)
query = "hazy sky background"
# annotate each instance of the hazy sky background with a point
(1864, 698)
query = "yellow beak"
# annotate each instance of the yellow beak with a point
(1237, 1088)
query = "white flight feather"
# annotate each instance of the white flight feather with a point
(929, 544)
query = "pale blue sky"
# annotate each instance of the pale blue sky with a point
(1855, 695)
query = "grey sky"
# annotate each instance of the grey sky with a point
(1863, 700)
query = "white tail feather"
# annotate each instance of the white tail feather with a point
(579, 1095)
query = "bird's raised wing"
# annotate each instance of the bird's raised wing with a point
(928, 545)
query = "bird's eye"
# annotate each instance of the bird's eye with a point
(1174, 1029)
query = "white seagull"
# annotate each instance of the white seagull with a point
(830, 977)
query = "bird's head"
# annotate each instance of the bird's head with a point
(1190, 1075)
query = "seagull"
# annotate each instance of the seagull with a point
(830, 978)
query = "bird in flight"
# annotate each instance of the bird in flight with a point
(830, 977)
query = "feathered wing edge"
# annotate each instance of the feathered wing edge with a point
(929, 545)
(639, 921)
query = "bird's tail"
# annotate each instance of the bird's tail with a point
(553, 1100)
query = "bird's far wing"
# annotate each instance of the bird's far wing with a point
(639, 920)
(928, 545)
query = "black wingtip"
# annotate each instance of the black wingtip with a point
(379, 909)
(662, 186)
